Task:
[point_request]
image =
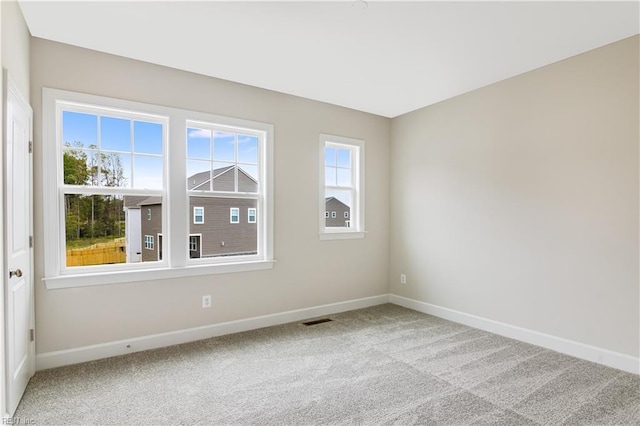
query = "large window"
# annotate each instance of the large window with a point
(224, 173)
(341, 187)
(107, 186)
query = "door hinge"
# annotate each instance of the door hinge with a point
(30, 241)
(32, 335)
(30, 147)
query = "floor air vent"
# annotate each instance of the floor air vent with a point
(318, 321)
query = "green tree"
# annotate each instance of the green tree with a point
(91, 216)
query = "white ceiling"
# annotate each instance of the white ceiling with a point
(386, 58)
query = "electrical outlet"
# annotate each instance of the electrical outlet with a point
(403, 279)
(206, 301)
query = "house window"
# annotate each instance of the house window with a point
(326, 214)
(341, 187)
(193, 243)
(148, 242)
(251, 215)
(198, 215)
(106, 181)
(234, 215)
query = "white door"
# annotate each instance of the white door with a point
(18, 296)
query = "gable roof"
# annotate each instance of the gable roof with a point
(200, 179)
(328, 199)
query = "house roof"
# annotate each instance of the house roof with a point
(200, 179)
(150, 201)
(328, 199)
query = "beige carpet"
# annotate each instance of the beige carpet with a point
(381, 365)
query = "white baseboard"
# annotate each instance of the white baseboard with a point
(105, 350)
(579, 350)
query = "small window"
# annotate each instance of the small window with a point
(148, 242)
(198, 215)
(251, 214)
(193, 243)
(148, 214)
(341, 187)
(234, 214)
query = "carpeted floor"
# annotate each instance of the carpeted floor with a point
(380, 365)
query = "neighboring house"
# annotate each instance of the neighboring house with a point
(217, 226)
(336, 213)
(132, 219)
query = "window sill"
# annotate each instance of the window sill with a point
(127, 276)
(342, 235)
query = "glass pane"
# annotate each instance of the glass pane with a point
(217, 236)
(247, 178)
(147, 172)
(344, 158)
(198, 175)
(108, 229)
(224, 146)
(247, 149)
(115, 170)
(344, 177)
(224, 177)
(199, 144)
(330, 176)
(79, 168)
(147, 137)
(340, 202)
(79, 130)
(329, 156)
(115, 134)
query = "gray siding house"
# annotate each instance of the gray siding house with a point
(218, 226)
(336, 213)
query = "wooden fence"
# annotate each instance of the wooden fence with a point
(98, 254)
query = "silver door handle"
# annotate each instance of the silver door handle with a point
(17, 273)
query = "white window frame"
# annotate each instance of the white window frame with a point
(148, 242)
(237, 215)
(255, 215)
(148, 214)
(346, 215)
(175, 201)
(326, 214)
(357, 221)
(195, 216)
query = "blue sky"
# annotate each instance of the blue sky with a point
(337, 172)
(210, 150)
(141, 163)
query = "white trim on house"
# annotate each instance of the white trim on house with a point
(255, 215)
(89, 353)
(555, 343)
(195, 222)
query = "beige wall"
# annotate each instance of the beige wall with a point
(308, 272)
(15, 45)
(518, 202)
